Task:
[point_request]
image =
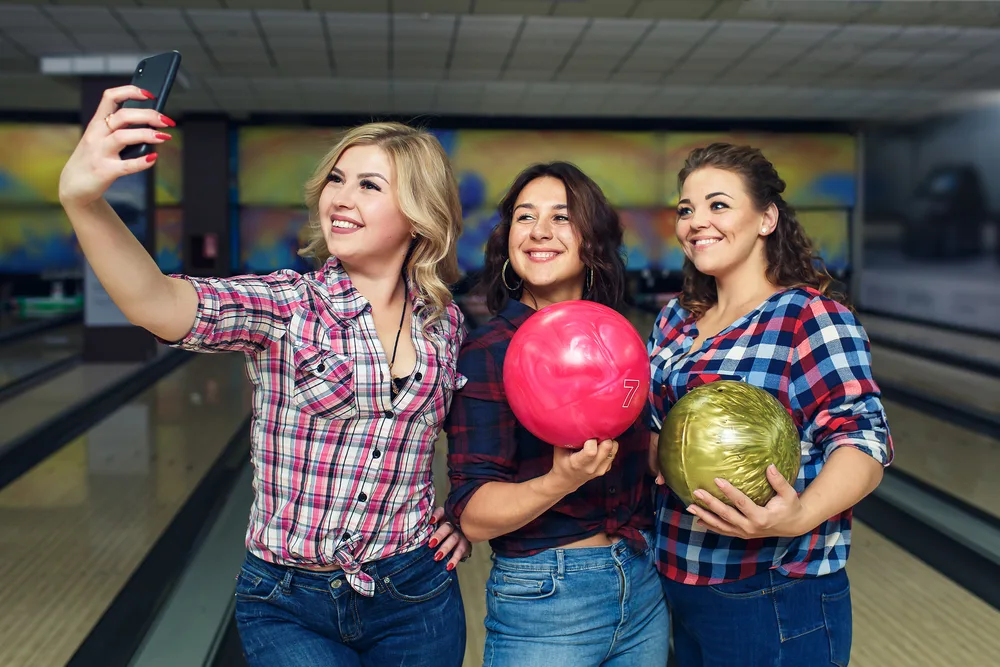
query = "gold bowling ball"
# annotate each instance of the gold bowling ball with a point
(731, 430)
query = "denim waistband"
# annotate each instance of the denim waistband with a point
(379, 568)
(560, 560)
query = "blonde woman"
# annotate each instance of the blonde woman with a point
(353, 369)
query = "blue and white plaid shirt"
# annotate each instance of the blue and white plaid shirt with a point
(812, 355)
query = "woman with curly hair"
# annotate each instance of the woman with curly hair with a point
(757, 307)
(573, 580)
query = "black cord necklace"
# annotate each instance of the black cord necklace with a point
(394, 389)
(395, 346)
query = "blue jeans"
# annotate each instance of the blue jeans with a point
(289, 617)
(765, 620)
(576, 607)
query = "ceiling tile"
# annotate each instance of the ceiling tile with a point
(223, 21)
(92, 19)
(152, 21)
(117, 41)
(18, 17)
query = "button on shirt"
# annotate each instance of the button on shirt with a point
(342, 471)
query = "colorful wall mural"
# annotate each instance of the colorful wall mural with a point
(637, 170)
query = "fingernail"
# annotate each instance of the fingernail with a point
(434, 520)
(163, 135)
(772, 468)
(719, 483)
(148, 95)
(167, 121)
(150, 157)
(699, 494)
(451, 566)
(433, 543)
(438, 556)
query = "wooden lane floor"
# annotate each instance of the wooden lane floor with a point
(936, 380)
(28, 355)
(969, 346)
(38, 405)
(907, 613)
(958, 461)
(75, 527)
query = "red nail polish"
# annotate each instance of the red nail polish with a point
(167, 121)
(451, 566)
(150, 157)
(438, 556)
(433, 543)
(433, 520)
(148, 95)
(163, 135)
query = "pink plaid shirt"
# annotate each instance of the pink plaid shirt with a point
(342, 472)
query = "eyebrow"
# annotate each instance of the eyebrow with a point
(708, 196)
(558, 207)
(369, 174)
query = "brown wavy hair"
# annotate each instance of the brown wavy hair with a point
(791, 259)
(593, 217)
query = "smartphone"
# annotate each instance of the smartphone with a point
(155, 74)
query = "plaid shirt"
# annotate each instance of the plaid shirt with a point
(813, 356)
(488, 444)
(342, 472)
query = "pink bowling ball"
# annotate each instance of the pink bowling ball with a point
(576, 370)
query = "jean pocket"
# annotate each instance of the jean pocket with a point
(756, 586)
(421, 581)
(837, 617)
(255, 587)
(521, 586)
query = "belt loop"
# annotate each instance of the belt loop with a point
(286, 581)
(561, 563)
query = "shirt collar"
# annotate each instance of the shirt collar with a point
(516, 312)
(345, 301)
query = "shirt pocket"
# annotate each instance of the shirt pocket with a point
(324, 383)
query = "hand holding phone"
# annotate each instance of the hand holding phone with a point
(156, 75)
(122, 134)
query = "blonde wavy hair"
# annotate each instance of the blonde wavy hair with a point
(427, 194)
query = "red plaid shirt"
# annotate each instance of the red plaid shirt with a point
(488, 444)
(342, 472)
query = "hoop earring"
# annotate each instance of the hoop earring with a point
(590, 280)
(503, 277)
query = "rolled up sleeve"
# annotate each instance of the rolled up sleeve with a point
(243, 313)
(832, 386)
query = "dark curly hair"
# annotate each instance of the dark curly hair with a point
(791, 260)
(593, 217)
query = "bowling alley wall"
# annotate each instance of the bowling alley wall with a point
(930, 246)
(637, 170)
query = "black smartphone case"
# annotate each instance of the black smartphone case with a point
(155, 74)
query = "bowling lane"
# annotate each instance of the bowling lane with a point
(936, 380)
(907, 613)
(38, 405)
(75, 527)
(976, 349)
(24, 357)
(958, 461)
